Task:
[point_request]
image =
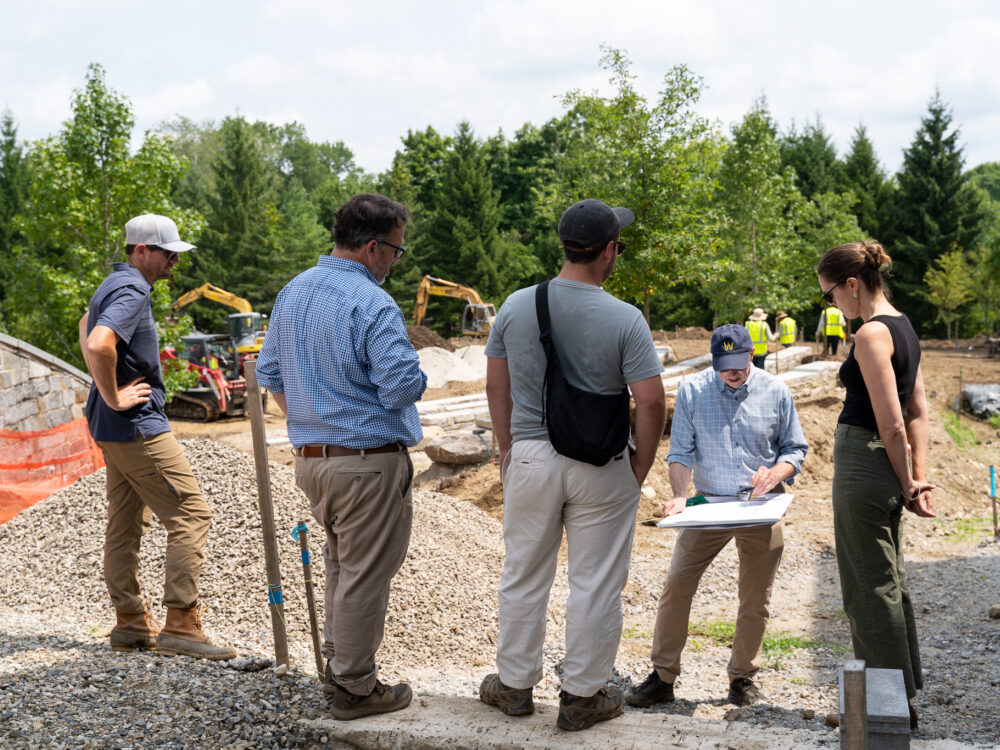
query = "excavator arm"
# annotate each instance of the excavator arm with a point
(215, 294)
(431, 285)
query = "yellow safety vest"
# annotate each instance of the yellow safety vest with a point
(834, 323)
(758, 334)
(787, 331)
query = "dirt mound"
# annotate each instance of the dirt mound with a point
(691, 333)
(422, 337)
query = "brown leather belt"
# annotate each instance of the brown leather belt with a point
(336, 451)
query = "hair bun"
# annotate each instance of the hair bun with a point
(875, 255)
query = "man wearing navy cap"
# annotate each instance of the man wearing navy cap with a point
(734, 429)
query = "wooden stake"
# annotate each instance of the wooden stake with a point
(303, 535)
(855, 726)
(275, 595)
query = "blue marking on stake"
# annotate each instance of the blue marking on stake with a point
(305, 557)
(993, 482)
(297, 529)
(274, 594)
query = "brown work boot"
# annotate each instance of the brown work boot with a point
(512, 701)
(382, 700)
(576, 712)
(183, 635)
(134, 630)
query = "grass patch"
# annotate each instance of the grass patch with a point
(994, 421)
(966, 529)
(963, 434)
(776, 643)
(800, 680)
(631, 632)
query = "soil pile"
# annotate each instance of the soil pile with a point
(422, 337)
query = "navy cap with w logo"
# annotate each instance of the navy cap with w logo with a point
(731, 345)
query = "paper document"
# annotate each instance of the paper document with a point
(730, 513)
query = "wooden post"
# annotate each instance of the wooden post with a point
(303, 536)
(855, 726)
(275, 596)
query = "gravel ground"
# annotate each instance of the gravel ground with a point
(62, 686)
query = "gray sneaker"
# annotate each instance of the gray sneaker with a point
(382, 700)
(576, 713)
(512, 701)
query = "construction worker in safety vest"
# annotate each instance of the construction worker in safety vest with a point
(787, 330)
(760, 334)
(831, 327)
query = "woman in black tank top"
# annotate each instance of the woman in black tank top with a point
(879, 461)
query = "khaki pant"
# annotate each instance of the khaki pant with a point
(145, 477)
(365, 505)
(544, 492)
(759, 550)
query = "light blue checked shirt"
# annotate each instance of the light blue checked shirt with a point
(725, 435)
(336, 346)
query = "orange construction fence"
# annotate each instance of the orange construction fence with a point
(33, 465)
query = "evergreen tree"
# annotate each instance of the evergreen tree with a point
(14, 178)
(813, 157)
(863, 176)
(936, 210)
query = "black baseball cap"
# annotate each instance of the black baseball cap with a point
(592, 223)
(731, 344)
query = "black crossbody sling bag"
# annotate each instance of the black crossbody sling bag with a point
(584, 426)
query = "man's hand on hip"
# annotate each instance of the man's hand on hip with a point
(133, 394)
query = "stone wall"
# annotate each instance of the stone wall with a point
(37, 390)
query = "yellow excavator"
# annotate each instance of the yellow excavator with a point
(477, 317)
(246, 326)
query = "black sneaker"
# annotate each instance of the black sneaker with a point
(653, 690)
(512, 701)
(742, 692)
(576, 713)
(382, 700)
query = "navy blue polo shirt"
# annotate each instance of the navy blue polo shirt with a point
(122, 303)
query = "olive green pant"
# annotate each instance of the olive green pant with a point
(867, 522)
(145, 477)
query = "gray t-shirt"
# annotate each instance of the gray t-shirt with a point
(603, 344)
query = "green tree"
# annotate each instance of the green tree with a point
(85, 185)
(813, 157)
(14, 177)
(760, 258)
(936, 209)
(864, 177)
(947, 288)
(657, 160)
(987, 177)
(984, 284)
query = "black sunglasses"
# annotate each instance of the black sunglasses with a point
(398, 248)
(171, 254)
(828, 294)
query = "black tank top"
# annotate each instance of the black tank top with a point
(905, 360)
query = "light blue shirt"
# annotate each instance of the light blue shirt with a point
(725, 435)
(336, 347)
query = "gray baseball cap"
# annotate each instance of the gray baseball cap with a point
(156, 230)
(592, 223)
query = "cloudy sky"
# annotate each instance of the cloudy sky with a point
(365, 72)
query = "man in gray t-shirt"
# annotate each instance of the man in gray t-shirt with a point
(604, 345)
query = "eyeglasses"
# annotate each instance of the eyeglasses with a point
(171, 254)
(620, 247)
(828, 294)
(398, 248)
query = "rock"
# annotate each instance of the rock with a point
(983, 400)
(995, 612)
(648, 492)
(833, 719)
(808, 713)
(457, 449)
(668, 357)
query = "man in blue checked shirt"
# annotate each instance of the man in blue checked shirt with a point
(339, 364)
(735, 429)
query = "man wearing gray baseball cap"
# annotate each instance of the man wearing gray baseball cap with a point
(147, 472)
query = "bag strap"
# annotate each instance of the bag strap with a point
(545, 337)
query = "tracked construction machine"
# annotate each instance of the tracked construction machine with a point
(222, 389)
(245, 326)
(477, 317)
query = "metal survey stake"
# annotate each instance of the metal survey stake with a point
(275, 597)
(301, 532)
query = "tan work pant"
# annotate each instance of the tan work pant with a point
(543, 493)
(145, 477)
(759, 550)
(365, 505)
